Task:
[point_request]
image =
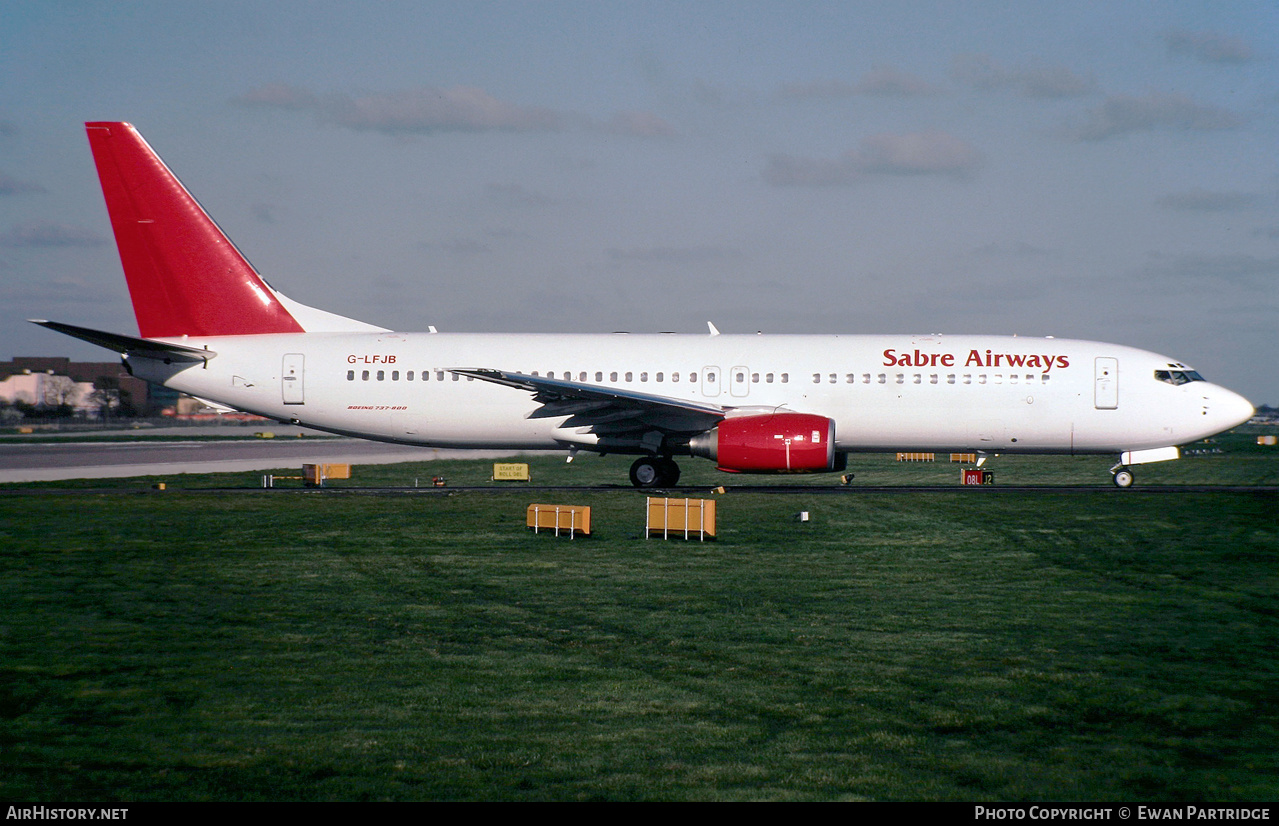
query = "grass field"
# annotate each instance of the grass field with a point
(952, 644)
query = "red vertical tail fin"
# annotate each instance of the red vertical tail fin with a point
(185, 276)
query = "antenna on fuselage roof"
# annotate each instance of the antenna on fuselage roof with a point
(714, 329)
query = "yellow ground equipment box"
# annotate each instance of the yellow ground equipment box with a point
(315, 475)
(916, 457)
(562, 519)
(685, 518)
(964, 458)
(510, 472)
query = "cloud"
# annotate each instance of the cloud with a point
(1121, 114)
(1206, 201)
(1020, 249)
(884, 81)
(917, 153)
(639, 124)
(465, 247)
(818, 89)
(265, 213)
(12, 186)
(517, 195)
(1238, 269)
(920, 153)
(887, 81)
(432, 109)
(277, 96)
(672, 255)
(1209, 47)
(788, 170)
(981, 72)
(46, 234)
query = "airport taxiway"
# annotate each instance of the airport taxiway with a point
(82, 456)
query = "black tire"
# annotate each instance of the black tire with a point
(646, 472)
(1123, 478)
(670, 472)
(654, 472)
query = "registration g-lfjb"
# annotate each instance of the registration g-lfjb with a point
(210, 326)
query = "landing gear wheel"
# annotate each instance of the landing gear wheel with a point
(670, 472)
(1123, 478)
(654, 472)
(646, 472)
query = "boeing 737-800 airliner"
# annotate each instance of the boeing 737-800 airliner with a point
(210, 326)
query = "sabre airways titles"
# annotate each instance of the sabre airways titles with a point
(975, 358)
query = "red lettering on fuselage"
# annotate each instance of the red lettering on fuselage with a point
(370, 359)
(918, 359)
(1029, 361)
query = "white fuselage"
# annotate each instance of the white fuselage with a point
(934, 392)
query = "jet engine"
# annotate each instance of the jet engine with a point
(771, 443)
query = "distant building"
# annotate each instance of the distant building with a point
(51, 381)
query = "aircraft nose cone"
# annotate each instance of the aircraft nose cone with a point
(1233, 409)
(1241, 408)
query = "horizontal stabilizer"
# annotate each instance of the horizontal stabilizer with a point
(130, 346)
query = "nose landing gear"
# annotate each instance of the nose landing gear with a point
(1122, 476)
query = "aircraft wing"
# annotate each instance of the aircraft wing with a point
(130, 346)
(609, 412)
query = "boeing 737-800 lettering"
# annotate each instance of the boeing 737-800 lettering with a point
(210, 326)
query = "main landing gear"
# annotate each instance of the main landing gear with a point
(654, 472)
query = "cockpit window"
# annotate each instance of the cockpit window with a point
(1178, 376)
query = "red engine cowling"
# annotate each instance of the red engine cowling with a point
(773, 443)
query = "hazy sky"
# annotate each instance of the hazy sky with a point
(1093, 170)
